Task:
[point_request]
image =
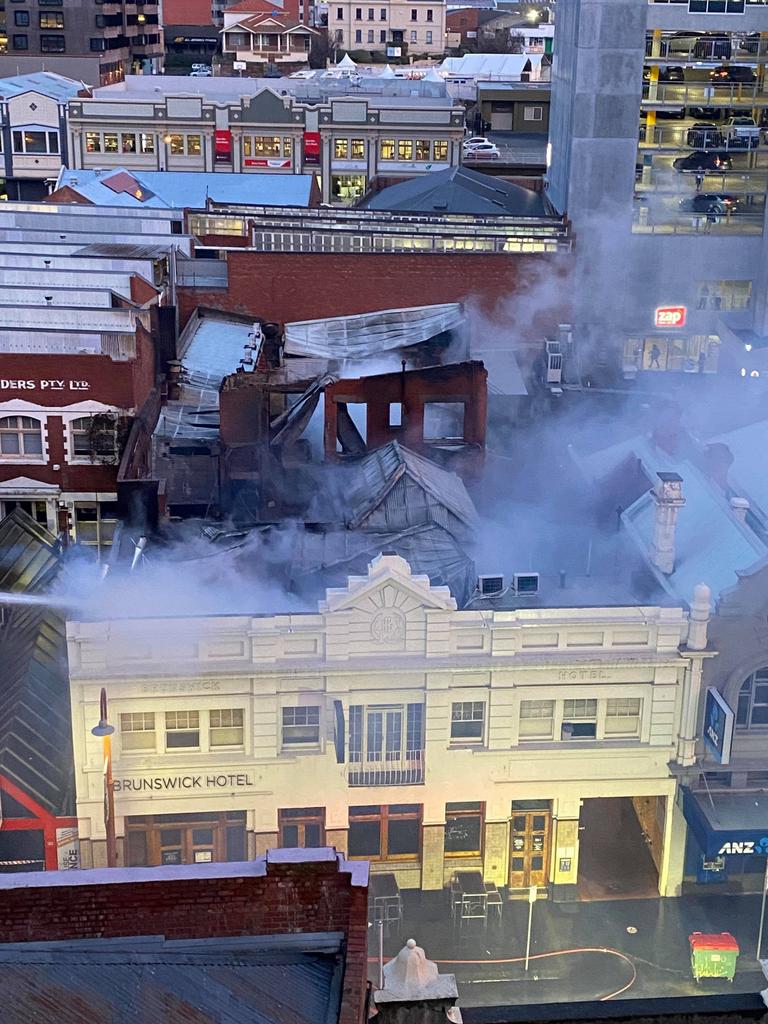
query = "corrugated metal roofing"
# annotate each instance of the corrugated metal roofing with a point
(162, 981)
(188, 189)
(48, 83)
(437, 491)
(35, 727)
(370, 334)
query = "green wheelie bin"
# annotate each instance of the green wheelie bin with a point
(713, 956)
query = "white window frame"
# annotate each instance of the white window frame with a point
(34, 458)
(533, 113)
(150, 748)
(482, 719)
(232, 713)
(640, 734)
(308, 744)
(190, 712)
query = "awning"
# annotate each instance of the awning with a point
(727, 823)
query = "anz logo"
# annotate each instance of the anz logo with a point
(746, 846)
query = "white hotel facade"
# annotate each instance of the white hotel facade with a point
(398, 729)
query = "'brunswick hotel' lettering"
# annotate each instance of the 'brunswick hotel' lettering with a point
(182, 782)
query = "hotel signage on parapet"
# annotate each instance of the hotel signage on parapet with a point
(184, 782)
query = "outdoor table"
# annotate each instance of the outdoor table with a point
(469, 900)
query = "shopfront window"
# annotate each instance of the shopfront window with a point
(752, 708)
(346, 188)
(302, 827)
(182, 730)
(385, 833)
(137, 731)
(464, 829)
(726, 295)
(202, 838)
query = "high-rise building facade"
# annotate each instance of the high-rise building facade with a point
(658, 156)
(97, 43)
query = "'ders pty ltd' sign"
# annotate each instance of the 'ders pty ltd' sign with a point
(14, 384)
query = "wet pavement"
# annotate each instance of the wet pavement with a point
(632, 948)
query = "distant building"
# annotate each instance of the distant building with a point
(257, 126)
(265, 39)
(33, 122)
(77, 41)
(393, 27)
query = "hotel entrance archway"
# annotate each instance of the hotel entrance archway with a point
(615, 858)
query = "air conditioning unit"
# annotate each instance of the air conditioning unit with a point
(526, 582)
(490, 585)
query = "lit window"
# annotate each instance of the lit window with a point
(468, 720)
(405, 149)
(147, 143)
(622, 716)
(301, 725)
(357, 149)
(288, 146)
(20, 435)
(110, 142)
(226, 727)
(340, 149)
(176, 144)
(440, 150)
(194, 145)
(182, 730)
(92, 142)
(536, 719)
(387, 149)
(137, 730)
(128, 143)
(422, 149)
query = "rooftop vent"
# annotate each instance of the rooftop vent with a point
(526, 582)
(490, 585)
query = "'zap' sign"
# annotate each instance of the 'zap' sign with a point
(670, 316)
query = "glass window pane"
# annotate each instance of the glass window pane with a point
(290, 836)
(170, 837)
(236, 843)
(313, 835)
(403, 836)
(462, 833)
(364, 838)
(202, 836)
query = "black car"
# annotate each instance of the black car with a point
(709, 113)
(704, 135)
(703, 160)
(710, 203)
(732, 74)
(668, 74)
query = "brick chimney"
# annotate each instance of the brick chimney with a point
(668, 498)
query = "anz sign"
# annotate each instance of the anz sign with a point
(745, 846)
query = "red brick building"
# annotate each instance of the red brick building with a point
(296, 896)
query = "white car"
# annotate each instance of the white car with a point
(201, 67)
(207, 73)
(482, 151)
(742, 131)
(475, 140)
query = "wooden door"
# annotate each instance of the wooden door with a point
(529, 848)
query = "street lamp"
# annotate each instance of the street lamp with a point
(105, 730)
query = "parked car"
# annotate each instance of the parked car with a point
(703, 160)
(704, 135)
(666, 74)
(732, 74)
(742, 131)
(709, 113)
(482, 151)
(207, 73)
(476, 140)
(201, 67)
(709, 202)
(712, 45)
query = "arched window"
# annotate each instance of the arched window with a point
(752, 709)
(20, 435)
(93, 437)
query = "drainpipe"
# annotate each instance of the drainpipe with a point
(696, 649)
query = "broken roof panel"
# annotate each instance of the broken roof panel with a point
(436, 489)
(371, 334)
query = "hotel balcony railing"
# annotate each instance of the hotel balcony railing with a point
(405, 771)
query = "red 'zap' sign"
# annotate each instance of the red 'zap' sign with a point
(670, 316)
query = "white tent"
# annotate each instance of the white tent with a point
(432, 76)
(346, 62)
(493, 66)
(387, 73)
